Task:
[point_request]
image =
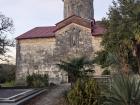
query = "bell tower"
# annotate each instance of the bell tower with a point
(82, 8)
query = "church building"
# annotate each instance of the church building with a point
(40, 49)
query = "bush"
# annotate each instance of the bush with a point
(37, 80)
(7, 73)
(85, 92)
(2, 76)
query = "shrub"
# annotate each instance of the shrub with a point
(85, 92)
(77, 68)
(7, 73)
(37, 80)
(8, 84)
(2, 76)
(125, 91)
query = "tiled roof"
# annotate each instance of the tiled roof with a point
(38, 32)
(47, 32)
(98, 30)
(74, 19)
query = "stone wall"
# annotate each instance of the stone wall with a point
(96, 43)
(41, 55)
(73, 40)
(36, 56)
(96, 40)
(82, 8)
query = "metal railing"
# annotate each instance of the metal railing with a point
(105, 80)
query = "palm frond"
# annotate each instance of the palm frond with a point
(125, 91)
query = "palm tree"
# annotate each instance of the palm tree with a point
(76, 67)
(125, 91)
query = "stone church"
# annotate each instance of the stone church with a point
(40, 49)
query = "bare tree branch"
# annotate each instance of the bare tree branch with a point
(6, 27)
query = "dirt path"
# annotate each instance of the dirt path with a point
(52, 97)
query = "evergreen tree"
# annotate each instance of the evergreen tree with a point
(121, 41)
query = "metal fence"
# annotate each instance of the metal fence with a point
(105, 80)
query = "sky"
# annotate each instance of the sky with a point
(28, 14)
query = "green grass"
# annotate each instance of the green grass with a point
(8, 84)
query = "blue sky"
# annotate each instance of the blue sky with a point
(28, 14)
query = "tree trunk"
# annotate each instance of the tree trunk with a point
(138, 60)
(138, 56)
(126, 69)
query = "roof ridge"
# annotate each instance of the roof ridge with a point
(44, 26)
(71, 17)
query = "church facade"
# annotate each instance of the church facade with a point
(40, 49)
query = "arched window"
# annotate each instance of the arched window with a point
(74, 37)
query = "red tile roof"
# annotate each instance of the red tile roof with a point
(48, 32)
(74, 19)
(98, 30)
(38, 32)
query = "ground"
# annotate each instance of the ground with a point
(51, 97)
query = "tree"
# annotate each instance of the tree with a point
(7, 73)
(122, 37)
(76, 67)
(6, 27)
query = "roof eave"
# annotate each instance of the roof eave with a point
(34, 38)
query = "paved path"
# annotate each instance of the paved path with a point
(51, 97)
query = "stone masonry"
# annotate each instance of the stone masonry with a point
(82, 8)
(40, 49)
